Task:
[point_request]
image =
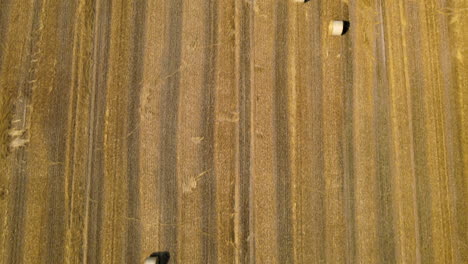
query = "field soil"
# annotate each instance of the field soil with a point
(233, 131)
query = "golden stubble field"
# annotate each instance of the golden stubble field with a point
(228, 131)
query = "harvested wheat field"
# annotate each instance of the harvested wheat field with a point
(233, 131)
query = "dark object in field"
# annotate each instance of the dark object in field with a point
(158, 258)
